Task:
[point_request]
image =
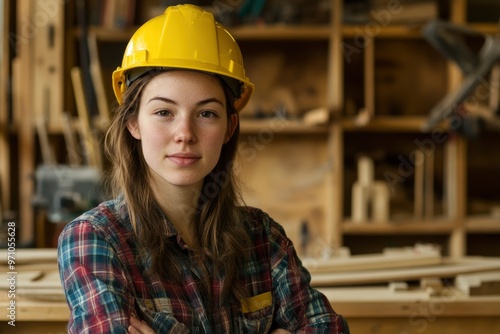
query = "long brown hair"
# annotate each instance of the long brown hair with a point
(223, 241)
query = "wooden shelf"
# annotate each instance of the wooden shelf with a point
(287, 32)
(388, 124)
(109, 35)
(280, 32)
(483, 224)
(486, 28)
(411, 227)
(278, 125)
(257, 32)
(396, 31)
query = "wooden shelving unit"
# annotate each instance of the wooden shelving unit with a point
(304, 173)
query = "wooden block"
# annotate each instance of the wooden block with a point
(316, 116)
(398, 286)
(479, 284)
(360, 202)
(433, 284)
(365, 171)
(380, 201)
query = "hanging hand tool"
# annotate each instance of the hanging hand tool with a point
(450, 39)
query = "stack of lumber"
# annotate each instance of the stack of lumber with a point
(418, 272)
(36, 274)
(388, 275)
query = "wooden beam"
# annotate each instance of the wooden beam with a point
(89, 142)
(24, 114)
(369, 84)
(48, 64)
(97, 80)
(449, 268)
(404, 258)
(5, 182)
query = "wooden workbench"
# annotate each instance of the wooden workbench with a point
(453, 314)
(369, 309)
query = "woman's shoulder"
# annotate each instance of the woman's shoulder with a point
(109, 217)
(257, 221)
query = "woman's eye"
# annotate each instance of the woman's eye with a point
(162, 113)
(207, 114)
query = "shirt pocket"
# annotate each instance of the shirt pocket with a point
(257, 314)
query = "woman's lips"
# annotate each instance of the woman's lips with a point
(183, 159)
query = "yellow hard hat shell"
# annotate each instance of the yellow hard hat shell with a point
(187, 37)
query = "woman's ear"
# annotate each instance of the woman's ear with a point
(133, 128)
(233, 122)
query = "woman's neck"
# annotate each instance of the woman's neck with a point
(180, 205)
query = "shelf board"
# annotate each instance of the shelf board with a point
(257, 32)
(280, 32)
(110, 35)
(392, 31)
(389, 124)
(279, 125)
(409, 227)
(482, 224)
(486, 28)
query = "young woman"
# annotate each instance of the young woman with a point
(174, 251)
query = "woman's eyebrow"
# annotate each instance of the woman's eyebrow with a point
(163, 99)
(210, 100)
(202, 102)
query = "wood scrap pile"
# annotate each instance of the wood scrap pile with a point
(36, 276)
(418, 272)
(386, 276)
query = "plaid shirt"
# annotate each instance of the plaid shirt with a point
(105, 283)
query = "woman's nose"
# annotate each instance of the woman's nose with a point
(185, 130)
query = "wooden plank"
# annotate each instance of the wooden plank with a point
(402, 258)
(31, 255)
(429, 185)
(70, 140)
(5, 183)
(369, 82)
(43, 139)
(33, 280)
(450, 267)
(24, 113)
(97, 80)
(457, 188)
(43, 311)
(335, 156)
(452, 303)
(373, 293)
(88, 139)
(418, 194)
(49, 61)
(334, 187)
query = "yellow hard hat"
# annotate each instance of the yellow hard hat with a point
(188, 37)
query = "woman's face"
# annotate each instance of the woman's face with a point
(182, 124)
